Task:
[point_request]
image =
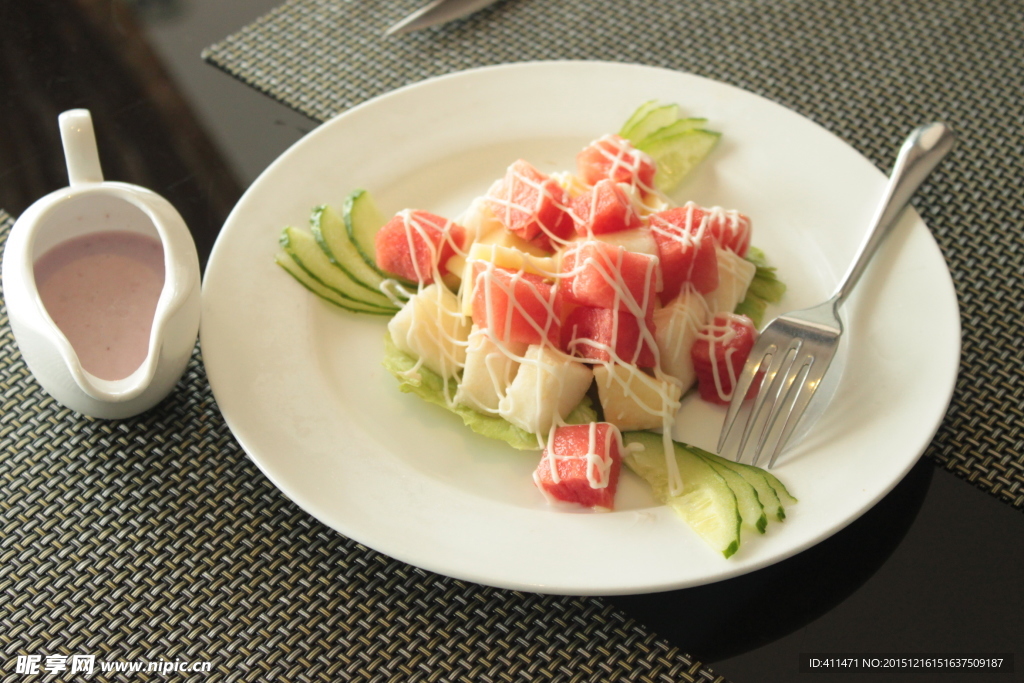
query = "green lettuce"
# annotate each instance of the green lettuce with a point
(765, 289)
(430, 386)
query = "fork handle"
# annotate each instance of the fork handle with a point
(922, 151)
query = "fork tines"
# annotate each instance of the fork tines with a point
(788, 362)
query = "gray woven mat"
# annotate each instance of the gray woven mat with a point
(867, 71)
(156, 539)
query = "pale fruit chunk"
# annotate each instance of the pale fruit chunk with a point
(431, 327)
(478, 221)
(633, 400)
(483, 228)
(490, 369)
(735, 274)
(676, 327)
(639, 240)
(549, 385)
(573, 185)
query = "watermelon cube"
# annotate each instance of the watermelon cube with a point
(515, 306)
(416, 245)
(731, 229)
(605, 208)
(581, 465)
(603, 275)
(686, 250)
(614, 158)
(606, 334)
(531, 205)
(719, 354)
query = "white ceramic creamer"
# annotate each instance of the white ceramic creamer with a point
(114, 218)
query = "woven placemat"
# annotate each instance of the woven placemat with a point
(867, 71)
(157, 540)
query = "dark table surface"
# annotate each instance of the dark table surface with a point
(935, 568)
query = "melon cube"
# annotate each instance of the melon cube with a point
(719, 354)
(531, 205)
(509, 258)
(431, 327)
(614, 158)
(490, 369)
(416, 245)
(514, 306)
(573, 185)
(604, 275)
(604, 334)
(547, 387)
(607, 208)
(638, 240)
(483, 227)
(735, 274)
(632, 399)
(675, 329)
(686, 250)
(731, 229)
(581, 465)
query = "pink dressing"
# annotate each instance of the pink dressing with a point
(101, 290)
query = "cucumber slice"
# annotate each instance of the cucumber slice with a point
(784, 495)
(332, 236)
(680, 126)
(655, 119)
(757, 478)
(637, 116)
(362, 222)
(676, 155)
(309, 282)
(303, 249)
(751, 510)
(706, 502)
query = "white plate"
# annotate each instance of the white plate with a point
(301, 386)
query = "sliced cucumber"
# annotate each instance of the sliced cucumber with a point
(706, 503)
(283, 259)
(332, 236)
(675, 156)
(757, 478)
(362, 222)
(751, 510)
(303, 249)
(638, 115)
(675, 128)
(653, 120)
(784, 495)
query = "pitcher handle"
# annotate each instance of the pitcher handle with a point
(80, 151)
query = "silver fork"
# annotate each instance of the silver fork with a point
(796, 349)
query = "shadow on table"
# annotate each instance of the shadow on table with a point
(729, 618)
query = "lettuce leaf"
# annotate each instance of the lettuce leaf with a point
(430, 386)
(766, 288)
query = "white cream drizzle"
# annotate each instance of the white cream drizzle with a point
(505, 206)
(599, 460)
(644, 199)
(721, 331)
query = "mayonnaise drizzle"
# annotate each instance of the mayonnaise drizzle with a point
(721, 331)
(599, 460)
(644, 200)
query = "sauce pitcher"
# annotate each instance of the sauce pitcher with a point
(102, 286)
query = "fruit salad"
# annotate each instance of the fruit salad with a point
(568, 313)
